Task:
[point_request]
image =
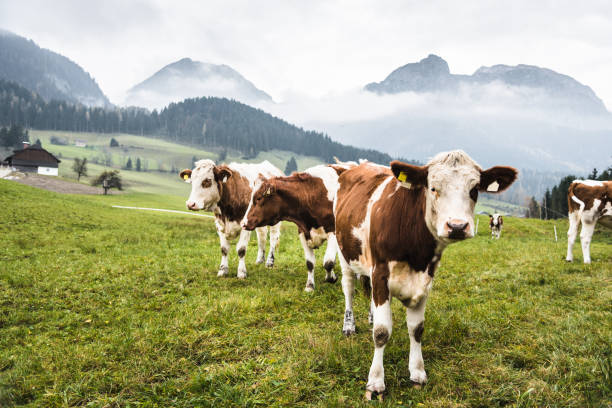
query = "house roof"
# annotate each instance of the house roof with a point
(32, 156)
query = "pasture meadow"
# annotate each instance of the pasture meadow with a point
(107, 307)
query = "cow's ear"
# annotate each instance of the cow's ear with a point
(490, 216)
(185, 175)
(222, 173)
(497, 179)
(408, 174)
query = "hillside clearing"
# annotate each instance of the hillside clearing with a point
(102, 306)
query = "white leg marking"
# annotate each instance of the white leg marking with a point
(329, 259)
(415, 320)
(310, 262)
(585, 240)
(241, 248)
(275, 231)
(574, 222)
(348, 288)
(225, 247)
(381, 333)
(262, 234)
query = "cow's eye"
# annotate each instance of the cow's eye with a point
(433, 189)
(474, 194)
(206, 183)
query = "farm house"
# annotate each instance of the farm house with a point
(33, 159)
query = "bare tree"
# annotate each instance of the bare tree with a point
(80, 167)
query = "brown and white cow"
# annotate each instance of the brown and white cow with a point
(226, 190)
(496, 222)
(306, 199)
(589, 201)
(392, 225)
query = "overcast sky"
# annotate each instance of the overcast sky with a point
(317, 48)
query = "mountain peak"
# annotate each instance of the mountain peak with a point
(187, 78)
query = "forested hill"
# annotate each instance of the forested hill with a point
(47, 73)
(206, 121)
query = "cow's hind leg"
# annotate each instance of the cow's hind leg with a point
(348, 288)
(241, 248)
(310, 263)
(574, 223)
(415, 318)
(262, 234)
(225, 247)
(329, 260)
(585, 239)
(381, 332)
(274, 238)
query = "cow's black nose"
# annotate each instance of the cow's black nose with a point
(457, 226)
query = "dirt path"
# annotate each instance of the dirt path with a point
(54, 184)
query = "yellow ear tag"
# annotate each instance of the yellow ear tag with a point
(268, 191)
(186, 176)
(402, 177)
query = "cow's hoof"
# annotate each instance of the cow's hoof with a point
(270, 263)
(569, 260)
(374, 395)
(416, 385)
(331, 279)
(223, 270)
(241, 274)
(348, 331)
(309, 287)
(259, 261)
(418, 378)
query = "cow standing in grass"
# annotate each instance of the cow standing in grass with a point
(226, 191)
(496, 221)
(589, 201)
(392, 226)
(305, 199)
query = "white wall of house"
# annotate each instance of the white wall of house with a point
(47, 171)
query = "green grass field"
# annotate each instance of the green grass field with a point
(105, 307)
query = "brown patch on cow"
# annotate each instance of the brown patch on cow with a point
(224, 251)
(299, 198)
(241, 252)
(381, 336)
(309, 265)
(356, 187)
(588, 195)
(398, 227)
(418, 332)
(366, 285)
(380, 284)
(503, 175)
(235, 193)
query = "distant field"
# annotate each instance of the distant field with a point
(110, 307)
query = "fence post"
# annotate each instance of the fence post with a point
(555, 227)
(477, 221)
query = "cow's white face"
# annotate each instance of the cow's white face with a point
(204, 188)
(495, 220)
(451, 196)
(452, 181)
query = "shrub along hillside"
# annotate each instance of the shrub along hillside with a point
(110, 307)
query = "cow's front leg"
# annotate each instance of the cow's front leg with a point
(329, 259)
(262, 234)
(274, 238)
(223, 267)
(348, 288)
(585, 240)
(415, 319)
(381, 332)
(241, 248)
(310, 262)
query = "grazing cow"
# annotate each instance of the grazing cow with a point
(496, 221)
(392, 225)
(588, 201)
(305, 199)
(226, 190)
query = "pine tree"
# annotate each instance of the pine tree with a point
(291, 166)
(138, 164)
(128, 165)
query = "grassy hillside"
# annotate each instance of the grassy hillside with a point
(110, 307)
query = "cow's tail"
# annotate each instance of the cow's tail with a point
(572, 198)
